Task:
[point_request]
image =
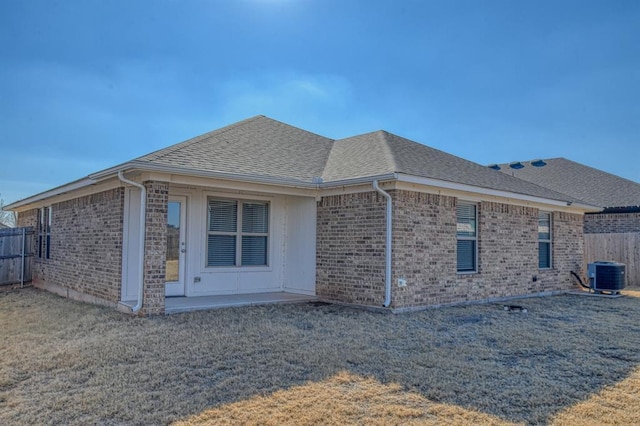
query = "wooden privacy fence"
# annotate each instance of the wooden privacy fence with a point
(623, 248)
(16, 255)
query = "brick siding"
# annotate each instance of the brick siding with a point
(350, 242)
(155, 247)
(424, 248)
(608, 223)
(350, 249)
(86, 247)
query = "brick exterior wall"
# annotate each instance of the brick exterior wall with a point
(155, 247)
(568, 250)
(350, 251)
(424, 248)
(610, 223)
(86, 247)
(350, 245)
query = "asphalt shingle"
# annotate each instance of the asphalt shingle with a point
(381, 152)
(263, 147)
(591, 185)
(258, 146)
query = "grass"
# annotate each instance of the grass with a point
(568, 360)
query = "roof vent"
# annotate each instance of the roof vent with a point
(538, 163)
(494, 167)
(516, 165)
(317, 180)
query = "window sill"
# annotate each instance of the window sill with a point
(235, 269)
(466, 272)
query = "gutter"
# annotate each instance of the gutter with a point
(161, 168)
(267, 180)
(496, 192)
(143, 211)
(358, 180)
(387, 249)
(63, 189)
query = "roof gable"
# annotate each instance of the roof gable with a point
(381, 152)
(577, 180)
(359, 156)
(258, 146)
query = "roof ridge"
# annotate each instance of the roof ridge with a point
(171, 149)
(390, 153)
(295, 127)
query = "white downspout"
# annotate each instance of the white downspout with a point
(387, 249)
(143, 211)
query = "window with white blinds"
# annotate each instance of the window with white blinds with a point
(237, 233)
(467, 237)
(544, 240)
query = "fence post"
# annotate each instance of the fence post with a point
(24, 243)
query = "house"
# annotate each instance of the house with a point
(616, 223)
(261, 208)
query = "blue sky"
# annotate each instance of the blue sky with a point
(88, 84)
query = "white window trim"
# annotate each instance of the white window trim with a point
(475, 254)
(41, 233)
(47, 253)
(238, 233)
(550, 241)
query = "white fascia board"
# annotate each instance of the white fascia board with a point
(494, 192)
(75, 185)
(146, 167)
(358, 181)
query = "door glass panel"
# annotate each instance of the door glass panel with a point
(172, 263)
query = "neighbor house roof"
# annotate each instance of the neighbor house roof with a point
(261, 149)
(585, 183)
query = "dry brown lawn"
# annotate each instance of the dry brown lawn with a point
(569, 360)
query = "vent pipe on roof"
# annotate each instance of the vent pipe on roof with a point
(143, 212)
(538, 163)
(387, 249)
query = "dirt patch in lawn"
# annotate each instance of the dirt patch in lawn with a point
(63, 362)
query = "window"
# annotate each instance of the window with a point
(48, 233)
(467, 244)
(44, 233)
(237, 233)
(40, 232)
(544, 240)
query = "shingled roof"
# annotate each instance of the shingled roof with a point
(263, 147)
(591, 185)
(258, 146)
(260, 149)
(382, 152)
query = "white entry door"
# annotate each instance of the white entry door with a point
(176, 246)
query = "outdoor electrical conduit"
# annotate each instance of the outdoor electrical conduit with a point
(387, 249)
(143, 210)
